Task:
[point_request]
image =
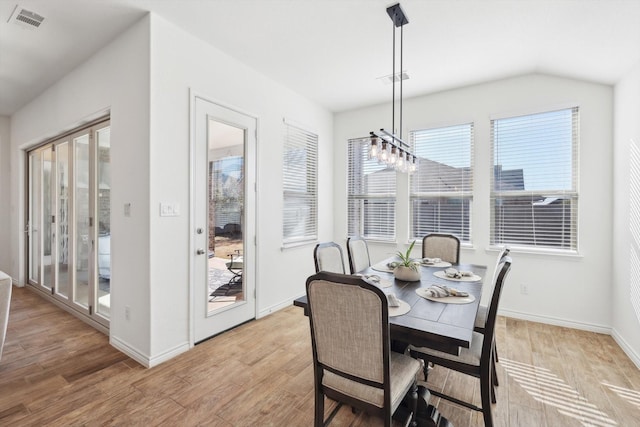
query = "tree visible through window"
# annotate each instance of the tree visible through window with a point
(534, 194)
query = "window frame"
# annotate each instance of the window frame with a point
(297, 137)
(446, 134)
(568, 245)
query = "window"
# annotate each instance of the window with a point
(441, 188)
(300, 186)
(534, 195)
(371, 205)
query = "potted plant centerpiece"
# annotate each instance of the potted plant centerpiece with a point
(407, 269)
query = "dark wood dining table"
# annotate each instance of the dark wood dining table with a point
(442, 326)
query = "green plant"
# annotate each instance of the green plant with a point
(405, 258)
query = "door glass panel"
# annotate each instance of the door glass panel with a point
(35, 217)
(48, 230)
(225, 214)
(104, 220)
(62, 219)
(81, 211)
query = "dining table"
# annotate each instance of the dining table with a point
(444, 324)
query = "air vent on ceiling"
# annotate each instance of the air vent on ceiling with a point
(394, 78)
(26, 18)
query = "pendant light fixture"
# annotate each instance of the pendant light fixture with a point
(387, 147)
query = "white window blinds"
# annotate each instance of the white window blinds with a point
(300, 185)
(371, 196)
(534, 195)
(442, 188)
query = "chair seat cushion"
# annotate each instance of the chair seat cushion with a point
(481, 317)
(468, 356)
(403, 371)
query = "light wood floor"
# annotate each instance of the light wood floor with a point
(57, 371)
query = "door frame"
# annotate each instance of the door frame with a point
(250, 239)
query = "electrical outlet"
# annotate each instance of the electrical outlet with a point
(524, 289)
(127, 312)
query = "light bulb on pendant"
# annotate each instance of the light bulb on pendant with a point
(400, 163)
(384, 153)
(373, 152)
(394, 155)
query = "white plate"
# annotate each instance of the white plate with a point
(403, 308)
(447, 300)
(382, 266)
(441, 264)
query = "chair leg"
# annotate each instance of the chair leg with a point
(495, 352)
(485, 392)
(412, 401)
(494, 375)
(319, 410)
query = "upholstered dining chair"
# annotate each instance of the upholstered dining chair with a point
(441, 245)
(483, 308)
(352, 359)
(328, 257)
(477, 359)
(358, 252)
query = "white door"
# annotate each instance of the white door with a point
(223, 218)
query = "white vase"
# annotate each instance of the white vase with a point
(408, 274)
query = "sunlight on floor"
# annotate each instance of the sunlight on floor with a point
(630, 396)
(549, 389)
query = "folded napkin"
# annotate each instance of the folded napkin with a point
(431, 260)
(453, 273)
(370, 278)
(441, 291)
(393, 300)
(393, 265)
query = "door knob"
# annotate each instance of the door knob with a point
(200, 252)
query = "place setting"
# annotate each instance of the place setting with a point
(457, 275)
(434, 262)
(445, 294)
(397, 307)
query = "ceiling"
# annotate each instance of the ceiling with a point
(333, 51)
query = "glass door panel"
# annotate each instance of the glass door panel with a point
(103, 214)
(35, 216)
(81, 220)
(48, 212)
(62, 220)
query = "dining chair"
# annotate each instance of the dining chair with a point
(441, 245)
(477, 359)
(352, 359)
(483, 309)
(358, 252)
(328, 257)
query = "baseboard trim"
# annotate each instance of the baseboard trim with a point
(143, 359)
(274, 308)
(635, 358)
(556, 321)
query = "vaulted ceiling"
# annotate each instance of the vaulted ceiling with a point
(334, 51)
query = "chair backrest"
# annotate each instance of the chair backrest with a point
(328, 257)
(358, 252)
(441, 245)
(349, 321)
(487, 290)
(504, 267)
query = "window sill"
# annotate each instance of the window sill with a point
(537, 251)
(294, 245)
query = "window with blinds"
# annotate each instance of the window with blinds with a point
(534, 195)
(300, 185)
(442, 188)
(371, 204)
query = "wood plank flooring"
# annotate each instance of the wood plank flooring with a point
(56, 370)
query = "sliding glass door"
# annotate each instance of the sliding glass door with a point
(69, 231)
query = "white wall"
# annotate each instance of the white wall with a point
(115, 79)
(181, 62)
(573, 291)
(5, 166)
(626, 185)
